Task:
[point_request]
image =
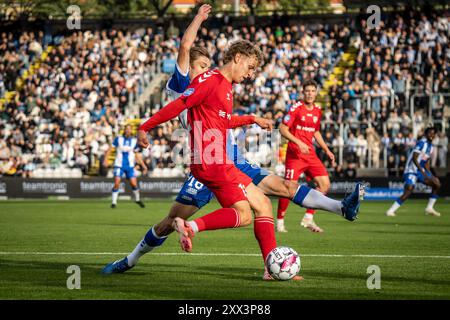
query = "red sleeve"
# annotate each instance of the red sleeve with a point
(193, 96)
(170, 111)
(240, 121)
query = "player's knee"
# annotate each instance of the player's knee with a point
(437, 183)
(246, 220)
(245, 213)
(245, 217)
(291, 188)
(264, 207)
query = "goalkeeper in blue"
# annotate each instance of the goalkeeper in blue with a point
(418, 169)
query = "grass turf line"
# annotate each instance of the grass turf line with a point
(91, 226)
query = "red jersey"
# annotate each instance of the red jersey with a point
(302, 123)
(209, 99)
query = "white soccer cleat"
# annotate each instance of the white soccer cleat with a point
(390, 213)
(311, 225)
(280, 227)
(432, 212)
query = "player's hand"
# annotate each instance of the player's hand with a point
(204, 11)
(142, 139)
(144, 170)
(331, 157)
(264, 123)
(303, 148)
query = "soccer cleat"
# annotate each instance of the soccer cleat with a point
(113, 206)
(351, 203)
(118, 266)
(311, 225)
(268, 277)
(280, 226)
(141, 204)
(432, 212)
(185, 232)
(390, 213)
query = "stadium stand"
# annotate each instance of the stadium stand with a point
(66, 97)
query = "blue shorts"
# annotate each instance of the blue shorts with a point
(194, 193)
(129, 172)
(411, 179)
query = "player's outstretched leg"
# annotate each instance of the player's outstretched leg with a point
(435, 185)
(351, 203)
(150, 242)
(155, 237)
(399, 201)
(136, 193)
(306, 197)
(115, 191)
(323, 185)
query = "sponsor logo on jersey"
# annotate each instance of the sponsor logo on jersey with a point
(223, 114)
(307, 129)
(188, 92)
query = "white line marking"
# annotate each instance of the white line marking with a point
(220, 254)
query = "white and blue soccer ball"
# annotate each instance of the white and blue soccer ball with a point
(283, 263)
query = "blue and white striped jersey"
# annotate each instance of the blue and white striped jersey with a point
(175, 87)
(424, 148)
(125, 149)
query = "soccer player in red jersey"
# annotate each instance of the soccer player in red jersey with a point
(300, 126)
(209, 100)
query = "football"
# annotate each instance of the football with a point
(283, 263)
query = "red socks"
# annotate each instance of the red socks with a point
(229, 218)
(220, 219)
(265, 234)
(283, 204)
(310, 211)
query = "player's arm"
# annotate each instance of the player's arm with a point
(417, 164)
(140, 161)
(107, 154)
(194, 95)
(240, 121)
(189, 37)
(170, 111)
(284, 130)
(323, 145)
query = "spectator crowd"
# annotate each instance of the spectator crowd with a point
(68, 111)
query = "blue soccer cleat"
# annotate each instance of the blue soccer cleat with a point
(351, 203)
(119, 266)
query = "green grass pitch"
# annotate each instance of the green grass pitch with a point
(40, 239)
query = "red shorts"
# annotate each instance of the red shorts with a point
(226, 181)
(309, 164)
